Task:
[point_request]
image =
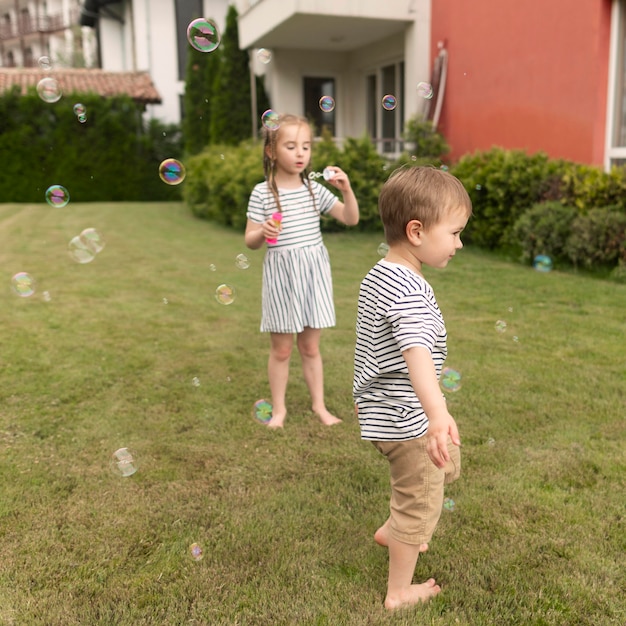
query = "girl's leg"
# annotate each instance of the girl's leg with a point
(278, 374)
(312, 368)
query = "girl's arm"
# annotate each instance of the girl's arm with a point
(347, 211)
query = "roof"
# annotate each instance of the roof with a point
(137, 85)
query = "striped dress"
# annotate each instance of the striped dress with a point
(397, 310)
(297, 283)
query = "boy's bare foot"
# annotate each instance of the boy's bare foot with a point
(326, 417)
(413, 595)
(381, 537)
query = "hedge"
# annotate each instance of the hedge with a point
(112, 156)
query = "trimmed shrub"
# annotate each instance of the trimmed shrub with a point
(543, 229)
(502, 185)
(112, 156)
(587, 187)
(598, 238)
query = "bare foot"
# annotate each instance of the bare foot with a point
(413, 595)
(326, 417)
(278, 420)
(381, 537)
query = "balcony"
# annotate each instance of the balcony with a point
(322, 24)
(37, 24)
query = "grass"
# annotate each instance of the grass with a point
(285, 519)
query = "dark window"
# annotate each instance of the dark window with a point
(314, 90)
(186, 10)
(372, 98)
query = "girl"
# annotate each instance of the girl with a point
(297, 295)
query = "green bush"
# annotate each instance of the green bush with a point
(220, 179)
(112, 156)
(587, 187)
(502, 185)
(544, 228)
(424, 142)
(598, 238)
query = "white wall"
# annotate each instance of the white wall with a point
(148, 42)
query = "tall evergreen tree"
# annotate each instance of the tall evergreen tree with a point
(231, 119)
(197, 99)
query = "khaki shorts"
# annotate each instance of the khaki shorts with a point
(416, 487)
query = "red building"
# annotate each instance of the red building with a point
(537, 75)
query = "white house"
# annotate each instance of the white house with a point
(32, 29)
(151, 36)
(355, 52)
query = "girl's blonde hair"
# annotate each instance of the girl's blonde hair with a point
(270, 139)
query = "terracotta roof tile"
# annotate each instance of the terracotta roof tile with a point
(137, 85)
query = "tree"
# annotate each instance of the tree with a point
(201, 67)
(231, 119)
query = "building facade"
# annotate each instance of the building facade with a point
(32, 29)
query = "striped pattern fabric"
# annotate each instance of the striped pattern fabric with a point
(397, 310)
(297, 282)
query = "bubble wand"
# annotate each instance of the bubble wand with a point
(277, 218)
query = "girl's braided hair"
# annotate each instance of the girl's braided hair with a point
(270, 138)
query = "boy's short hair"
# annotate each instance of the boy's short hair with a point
(422, 193)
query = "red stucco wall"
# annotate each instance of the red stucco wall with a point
(528, 74)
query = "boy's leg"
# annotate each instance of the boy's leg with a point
(313, 371)
(278, 375)
(402, 562)
(414, 481)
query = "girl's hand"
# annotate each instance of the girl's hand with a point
(340, 179)
(271, 229)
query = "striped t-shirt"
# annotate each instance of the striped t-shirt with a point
(397, 310)
(301, 219)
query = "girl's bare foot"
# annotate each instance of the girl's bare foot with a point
(326, 417)
(278, 420)
(381, 537)
(413, 595)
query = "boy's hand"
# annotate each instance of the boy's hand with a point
(437, 439)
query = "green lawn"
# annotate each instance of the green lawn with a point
(133, 350)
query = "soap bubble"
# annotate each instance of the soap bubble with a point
(383, 248)
(45, 64)
(172, 172)
(23, 284)
(203, 35)
(270, 119)
(49, 90)
(93, 239)
(501, 326)
(242, 262)
(448, 504)
(123, 462)
(389, 102)
(80, 251)
(327, 103)
(196, 552)
(57, 196)
(212, 267)
(425, 90)
(195, 381)
(79, 109)
(450, 379)
(225, 294)
(262, 411)
(542, 263)
(264, 55)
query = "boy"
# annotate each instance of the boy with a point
(400, 350)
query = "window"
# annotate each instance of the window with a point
(314, 90)
(186, 10)
(385, 127)
(615, 153)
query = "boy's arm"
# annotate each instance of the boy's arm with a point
(441, 424)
